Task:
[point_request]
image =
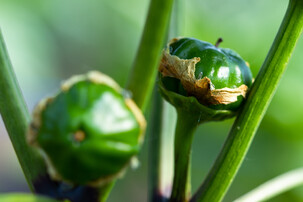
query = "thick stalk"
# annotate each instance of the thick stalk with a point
(155, 149)
(105, 190)
(143, 74)
(176, 22)
(241, 135)
(16, 118)
(162, 124)
(185, 128)
(10, 197)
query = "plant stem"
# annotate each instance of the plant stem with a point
(241, 135)
(274, 187)
(10, 197)
(155, 149)
(16, 118)
(105, 191)
(143, 74)
(176, 22)
(163, 121)
(185, 128)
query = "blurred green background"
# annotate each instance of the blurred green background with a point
(48, 41)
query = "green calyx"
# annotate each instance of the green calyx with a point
(88, 133)
(191, 106)
(219, 78)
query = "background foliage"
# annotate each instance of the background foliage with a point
(48, 41)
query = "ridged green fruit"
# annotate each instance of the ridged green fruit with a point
(88, 133)
(218, 77)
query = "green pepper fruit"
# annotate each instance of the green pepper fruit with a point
(88, 133)
(219, 78)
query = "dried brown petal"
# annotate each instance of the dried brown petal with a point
(202, 89)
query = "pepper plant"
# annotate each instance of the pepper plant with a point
(82, 140)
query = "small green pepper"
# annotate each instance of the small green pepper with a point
(219, 78)
(88, 133)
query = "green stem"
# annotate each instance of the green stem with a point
(176, 22)
(185, 129)
(143, 74)
(155, 149)
(274, 187)
(241, 135)
(16, 118)
(15, 196)
(105, 191)
(162, 123)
